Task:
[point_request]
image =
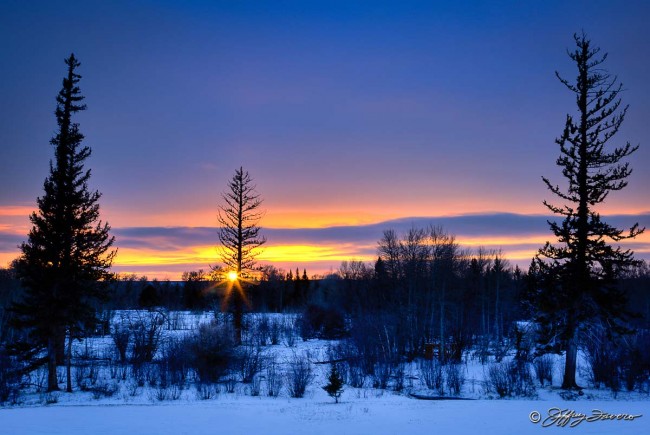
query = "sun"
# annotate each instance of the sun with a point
(232, 275)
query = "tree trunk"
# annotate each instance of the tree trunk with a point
(68, 364)
(238, 315)
(442, 323)
(60, 346)
(52, 381)
(497, 329)
(571, 357)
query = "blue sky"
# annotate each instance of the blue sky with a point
(345, 113)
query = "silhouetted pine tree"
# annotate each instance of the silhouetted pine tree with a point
(239, 216)
(577, 278)
(68, 250)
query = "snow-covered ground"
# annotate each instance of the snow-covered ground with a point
(389, 414)
(361, 410)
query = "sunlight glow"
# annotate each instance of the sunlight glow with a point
(232, 276)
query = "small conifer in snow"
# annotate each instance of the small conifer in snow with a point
(335, 384)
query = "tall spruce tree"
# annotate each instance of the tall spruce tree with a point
(68, 252)
(240, 238)
(577, 277)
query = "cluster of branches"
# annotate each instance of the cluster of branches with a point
(429, 290)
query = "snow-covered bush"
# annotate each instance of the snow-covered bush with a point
(260, 331)
(121, 336)
(104, 389)
(165, 392)
(248, 361)
(636, 364)
(511, 378)
(399, 375)
(499, 379)
(543, 366)
(275, 332)
(322, 322)
(175, 361)
(256, 385)
(9, 378)
(356, 377)
(299, 375)
(604, 361)
(431, 374)
(288, 328)
(206, 391)
(382, 373)
(147, 331)
(273, 379)
(210, 352)
(455, 378)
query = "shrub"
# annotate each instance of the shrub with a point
(275, 332)
(273, 380)
(356, 377)
(249, 362)
(636, 364)
(206, 391)
(288, 328)
(373, 339)
(431, 374)
(104, 389)
(175, 361)
(382, 373)
(165, 392)
(210, 352)
(121, 337)
(510, 379)
(299, 375)
(603, 360)
(498, 379)
(543, 366)
(320, 322)
(86, 376)
(455, 378)
(50, 398)
(399, 375)
(523, 341)
(231, 383)
(9, 378)
(261, 331)
(256, 385)
(146, 331)
(132, 388)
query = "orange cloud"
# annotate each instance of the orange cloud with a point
(312, 253)
(307, 240)
(16, 210)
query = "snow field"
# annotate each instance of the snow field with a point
(361, 411)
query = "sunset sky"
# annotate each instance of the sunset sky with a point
(352, 117)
